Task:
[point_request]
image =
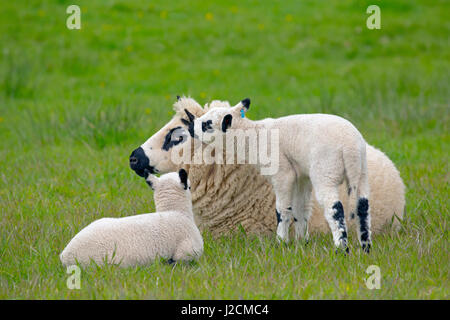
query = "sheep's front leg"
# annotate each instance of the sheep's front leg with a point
(283, 185)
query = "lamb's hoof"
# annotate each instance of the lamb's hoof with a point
(366, 248)
(345, 251)
(282, 242)
(171, 261)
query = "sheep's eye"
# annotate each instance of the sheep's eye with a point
(174, 136)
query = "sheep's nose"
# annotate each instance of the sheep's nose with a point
(133, 161)
(139, 161)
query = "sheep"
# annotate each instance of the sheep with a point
(226, 196)
(170, 233)
(311, 150)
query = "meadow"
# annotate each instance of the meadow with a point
(75, 103)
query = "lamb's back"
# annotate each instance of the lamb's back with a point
(129, 240)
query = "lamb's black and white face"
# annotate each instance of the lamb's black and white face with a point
(154, 154)
(217, 121)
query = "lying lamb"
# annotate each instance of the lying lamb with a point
(170, 233)
(315, 150)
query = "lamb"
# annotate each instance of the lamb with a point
(170, 233)
(226, 196)
(312, 150)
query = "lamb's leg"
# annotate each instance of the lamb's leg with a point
(283, 185)
(302, 209)
(328, 198)
(363, 213)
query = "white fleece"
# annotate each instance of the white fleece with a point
(170, 233)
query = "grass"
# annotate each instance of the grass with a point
(74, 104)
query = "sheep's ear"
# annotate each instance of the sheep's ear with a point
(190, 115)
(226, 122)
(151, 179)
(183, 177)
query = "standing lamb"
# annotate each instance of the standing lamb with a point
(170, 233)
(315, 150)
(226, 196)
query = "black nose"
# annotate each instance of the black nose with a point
(133, 161)
(139, 162)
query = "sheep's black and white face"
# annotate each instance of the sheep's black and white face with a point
(154, 154)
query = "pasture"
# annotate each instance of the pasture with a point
(75, 103)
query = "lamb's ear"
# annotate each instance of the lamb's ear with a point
(226, 122)
(151, 179)
(246, 104)
(183, 177)
(241, 107)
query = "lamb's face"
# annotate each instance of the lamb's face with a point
(169, 183)
(217, 121)
(208, 127)
(154, 154)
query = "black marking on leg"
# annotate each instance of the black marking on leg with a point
(338, 216)
(290, 208)
(349, 191)
(171, 261)
(278, 217)
(363, 213)
(295, 219)
(352, 216)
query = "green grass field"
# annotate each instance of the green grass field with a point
(75, 103)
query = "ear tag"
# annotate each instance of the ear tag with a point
(242, 113)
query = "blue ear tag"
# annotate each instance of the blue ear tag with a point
(242, 113)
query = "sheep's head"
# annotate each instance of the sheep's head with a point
(155, 154)
(217, 121)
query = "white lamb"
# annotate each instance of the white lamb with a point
(170, 233)
(315, 150)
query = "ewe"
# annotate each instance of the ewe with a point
(225, 196)
(170, 233)
(313, 150)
